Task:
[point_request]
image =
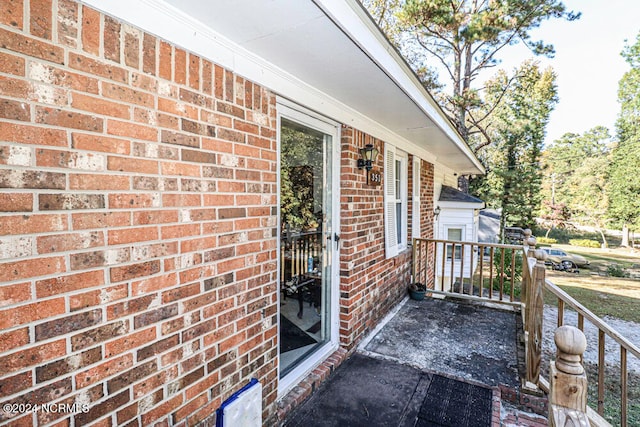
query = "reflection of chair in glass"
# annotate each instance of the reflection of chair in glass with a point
(300, 272)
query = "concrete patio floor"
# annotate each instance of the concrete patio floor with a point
(385, 381)
(465, 340)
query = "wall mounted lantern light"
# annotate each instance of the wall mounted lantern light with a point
(368, 155)
(436, 212)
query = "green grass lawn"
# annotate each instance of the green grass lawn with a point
(604, 296)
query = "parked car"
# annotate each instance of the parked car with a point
(556, 256)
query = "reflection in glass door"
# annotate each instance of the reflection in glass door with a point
(305, 242)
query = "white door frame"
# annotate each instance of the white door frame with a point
(296, 113)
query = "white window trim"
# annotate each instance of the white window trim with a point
(463, 230)
(415, 207)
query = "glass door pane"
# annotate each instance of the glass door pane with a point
(305, 260)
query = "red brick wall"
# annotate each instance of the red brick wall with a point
(370, 284)
(138, 225)
(137, 218)
(426, 200)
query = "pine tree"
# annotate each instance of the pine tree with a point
(517, 129)
(624, 180)
(463, 37)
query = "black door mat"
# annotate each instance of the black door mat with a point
(451, 403)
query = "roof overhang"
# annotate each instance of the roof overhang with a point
(452, 198)
(461, 205)
(326, 54)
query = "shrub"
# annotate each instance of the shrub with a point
(614, 270)
(505, 270)
(546, 240)
(585, 243)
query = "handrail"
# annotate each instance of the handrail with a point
(492, 245)
(604, 329)
(594, 319)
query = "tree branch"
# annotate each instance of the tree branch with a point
(441, 59)
(502, 94)
(511, 36)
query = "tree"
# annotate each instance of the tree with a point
(624, 182)
(383, 12)
(567, 154)
(517, 128)
(591, 203)
(624, 186)
(576, 167)
(464, 37)
(555, 214)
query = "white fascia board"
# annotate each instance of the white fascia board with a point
(354, 20)
(176, 27)
(461, 205)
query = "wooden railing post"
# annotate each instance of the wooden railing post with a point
(568, 380)
(529, 246)
(533, 321)
(529, 242)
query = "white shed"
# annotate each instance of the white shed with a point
(458, 221)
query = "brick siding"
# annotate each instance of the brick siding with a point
(137, 256)
(370, 284)
(138, 219)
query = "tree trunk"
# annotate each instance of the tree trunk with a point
(604, 239)
(625, 236)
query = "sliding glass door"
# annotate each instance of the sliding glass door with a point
(307, 239)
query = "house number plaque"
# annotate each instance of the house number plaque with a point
(374, 177)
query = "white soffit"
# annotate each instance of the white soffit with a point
(324, 54)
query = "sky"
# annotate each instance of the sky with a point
(587, 62)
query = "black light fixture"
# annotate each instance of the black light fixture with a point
(436, 212)
(368, 155)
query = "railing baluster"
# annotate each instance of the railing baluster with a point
(433, 247)
(560, 313)
(416, 261)
(491, 254)
(423, 261)
(513, 270)
(623, 387)
(297, 257)
(601, 341)
(444, 257)
(502, 273)
(462, 269)
(424, 256)
(422, 272)
(424, 248)
(481, 256)
(581, 322)
(452, 272)
(283, 261)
